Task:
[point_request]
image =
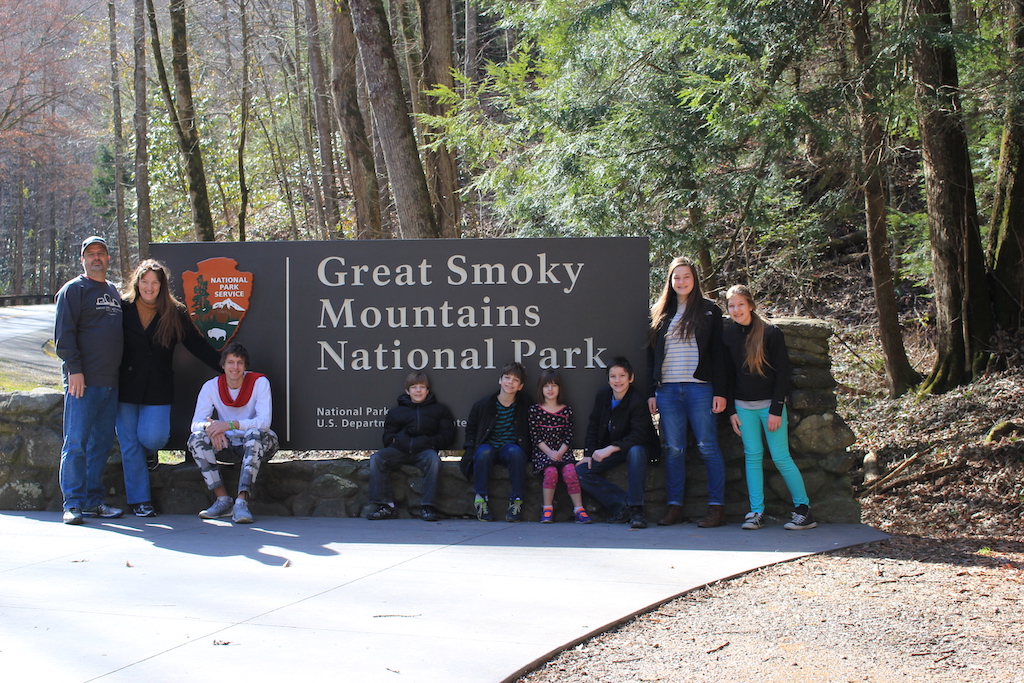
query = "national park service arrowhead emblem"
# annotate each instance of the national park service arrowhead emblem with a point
(217, 296)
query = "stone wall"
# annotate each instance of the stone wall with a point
(30, 439)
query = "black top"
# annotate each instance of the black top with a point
(483, 417)
(87, 330)
(746, 386)
(711, 355)
(414, 427)
(626, 425)
(147, 372)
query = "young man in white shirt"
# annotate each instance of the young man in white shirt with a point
(232, 416)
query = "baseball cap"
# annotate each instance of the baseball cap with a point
(94, 239)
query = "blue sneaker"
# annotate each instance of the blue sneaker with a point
(515, 510)
(483, 511)
(222, 507)
(103, 510)
(240, 512)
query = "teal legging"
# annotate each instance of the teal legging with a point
(754, 423)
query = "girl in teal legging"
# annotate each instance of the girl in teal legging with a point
(759, 382)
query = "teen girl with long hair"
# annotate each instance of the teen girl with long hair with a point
(686, 384)
(759, 382)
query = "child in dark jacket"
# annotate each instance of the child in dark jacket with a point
(498, 432)
(414, 431)
(759, 380)
(620, 431)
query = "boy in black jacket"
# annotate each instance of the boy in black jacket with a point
(620, 431)
(414, 431)
(498, 431)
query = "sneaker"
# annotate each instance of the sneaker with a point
(152, 460)
(802, 519)
(753, 521)
(637, 519)
(220, 508)
(515, 510)
(547, 515)
(73, 516)
(144, 510)
(382, 512)
(240, 512)
(103, 510)
(619, 517)
(428, 514)
(483, 511)
(582, 517)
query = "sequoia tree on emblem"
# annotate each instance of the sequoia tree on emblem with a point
(217, 296)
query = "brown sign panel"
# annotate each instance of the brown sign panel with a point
(337, 326)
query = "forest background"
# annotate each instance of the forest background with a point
(788, 145)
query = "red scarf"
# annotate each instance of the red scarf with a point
(248, 380)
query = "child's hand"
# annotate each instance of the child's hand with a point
(588, 460)
(774, 422)
(735, 420)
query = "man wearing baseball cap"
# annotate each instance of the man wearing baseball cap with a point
(89, 340)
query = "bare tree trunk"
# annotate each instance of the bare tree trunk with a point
(393, 129)
(899, 373)
(144, 219)
(19, 244)
(243, 187)
(964, 319)
(321, 109)
(471, 56)
(181, 110)
(1006, 235)
(442, 170)
(403, 27)
(358, 148)
(293, 66)
(123, 256)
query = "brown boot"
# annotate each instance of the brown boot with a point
(715, 517)
(674, 515)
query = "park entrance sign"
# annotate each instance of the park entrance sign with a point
(337, 326)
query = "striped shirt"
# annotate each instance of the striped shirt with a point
(681, 355)
(504, 430)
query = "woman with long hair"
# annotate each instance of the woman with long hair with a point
(759, 381)
(154, 323)
(686, 384)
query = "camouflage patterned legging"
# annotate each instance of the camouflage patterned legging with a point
(258, 447)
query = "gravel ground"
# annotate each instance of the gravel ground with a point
(905, 609)
(942, 600)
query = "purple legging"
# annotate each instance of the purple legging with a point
(572, 484)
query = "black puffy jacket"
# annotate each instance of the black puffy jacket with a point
(414, 427)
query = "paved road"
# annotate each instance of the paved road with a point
(24, 333)
(176, 598)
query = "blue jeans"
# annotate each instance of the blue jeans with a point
(753, 423)
(511, 456)
(689, 403)
(141, 430)
(610, 496)
(387, 459)
(88, 438)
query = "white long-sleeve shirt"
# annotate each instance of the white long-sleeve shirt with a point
(256, 414)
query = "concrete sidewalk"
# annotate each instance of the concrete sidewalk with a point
(174, 598)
